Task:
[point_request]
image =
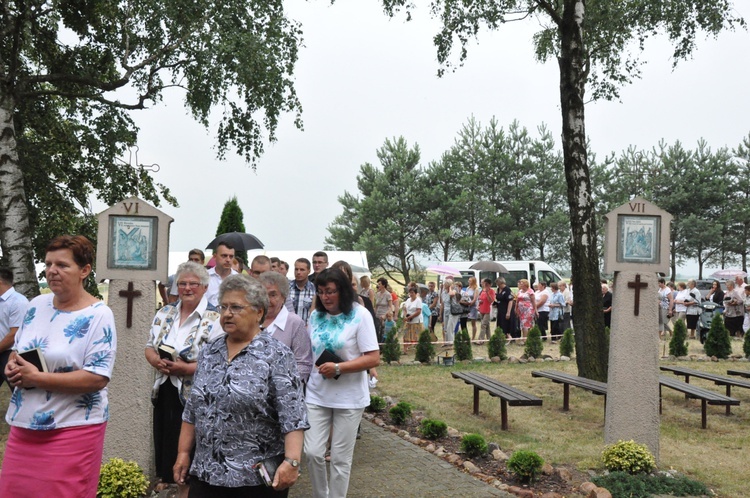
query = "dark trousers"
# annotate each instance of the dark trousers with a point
(557, 330)
(4, 357)
(200, 489)
(167, 424)
(506, 324)
(566, 321)
(543, 323)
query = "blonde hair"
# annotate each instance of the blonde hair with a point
(473, 283)
(524, 281)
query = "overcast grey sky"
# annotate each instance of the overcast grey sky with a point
(362, 78)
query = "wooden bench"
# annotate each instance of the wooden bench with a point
(567, 380)
(741, 373)
(719, 380)
(509, 396)
(706, 396)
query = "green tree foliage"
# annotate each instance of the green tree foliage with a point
(391, 346)
(746, 345)
(496, 345)
(534, 347)
(64, 129)
(567, 343)
(232, 220)
(595, 58)
(678, 344)
(425, 351)
(386, 220)
(462, 345)
(718, 343)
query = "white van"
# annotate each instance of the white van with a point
(533, 271)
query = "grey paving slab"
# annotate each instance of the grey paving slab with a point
(386, 466)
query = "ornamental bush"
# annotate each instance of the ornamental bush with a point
(377, 404)
(474, 445)
(534, 346)
(678, 344)
(718, 342)
(425, 349)
(462, 345)
(391, 346)
(496, 346)
(526, 465)
(400, 412)
(648, 485)
(746, 346)
(433, 429)
(121, 479)
(567, 344)
(628, 456)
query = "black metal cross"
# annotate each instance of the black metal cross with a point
(130, 294)
(637, 285)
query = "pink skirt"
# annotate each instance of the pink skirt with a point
(63, 463)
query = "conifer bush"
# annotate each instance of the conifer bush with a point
(678, 344)
(425, 349)
(400, 412)
(391, 346)
(496, 346)
(746, 346)
(377, 404)
(718, 342)
(433, 429)
(567, 343)
(474, 445)
(462, 345)
(534, 346)
(525, 464)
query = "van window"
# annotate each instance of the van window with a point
(548, 276)
(487, 274)
(512, 278)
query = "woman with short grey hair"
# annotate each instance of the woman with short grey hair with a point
(285, 326)
(194, 268)
(246, 405)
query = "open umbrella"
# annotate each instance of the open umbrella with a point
(728, 274)
(444, 270)
(489, 266)
(238, 240)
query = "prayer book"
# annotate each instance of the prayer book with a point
(35, 357)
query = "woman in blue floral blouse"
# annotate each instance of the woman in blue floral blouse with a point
(246, 404)
(58, 417)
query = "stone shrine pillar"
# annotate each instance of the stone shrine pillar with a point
(132, 252)
(636, 248)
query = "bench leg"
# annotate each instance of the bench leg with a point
(476, 400)
(703, 413)
(659, 399)
(504, 414)
(729, 395)
(687, 381)
(566, 397)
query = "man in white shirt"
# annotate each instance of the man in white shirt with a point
(13, 307)
(224, 255)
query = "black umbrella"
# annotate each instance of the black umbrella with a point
(238, 240)
(489, 266)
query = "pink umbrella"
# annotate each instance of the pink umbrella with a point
(728, 274)
(447, 271)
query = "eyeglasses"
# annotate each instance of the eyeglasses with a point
(234, 309)
(185, 285)
(328, 292)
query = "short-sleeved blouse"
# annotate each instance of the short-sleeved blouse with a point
(70, 340)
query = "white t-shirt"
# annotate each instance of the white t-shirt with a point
(681, 296)
(70, 340)
(412, 306)
(348, 336)
(538, 296)
(214, 282)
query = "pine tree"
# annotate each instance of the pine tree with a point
(718, 342)
(232, 221)
(746, 345)
(425, 349)
(391, 347)
(534, 346)
(567, 344)
(496, 346)
(678, 343)
(462, 344)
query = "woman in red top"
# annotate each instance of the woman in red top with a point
(486, 298)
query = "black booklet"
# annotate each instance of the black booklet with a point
(328, 356)
(167, 352)
(266, 469)
(36, 358)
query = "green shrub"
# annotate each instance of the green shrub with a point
(400, 412)
(121, 479)
(526, 465)
(462, 345)
(648, 485)
(474, 445)
(678, 344)
(628, 456)
(433, 429)
(567, 343)
(496, 346)
(746, 346)
(718, 342)
(391, 346)
(377, 404)
(534, 346)
(425, 349)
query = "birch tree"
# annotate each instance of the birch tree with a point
(597, 45)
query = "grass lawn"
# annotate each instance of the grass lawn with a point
(714, 456)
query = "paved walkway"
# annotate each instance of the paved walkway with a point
(387, 466)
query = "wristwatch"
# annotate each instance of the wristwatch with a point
(294, 463)
(338, 370)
